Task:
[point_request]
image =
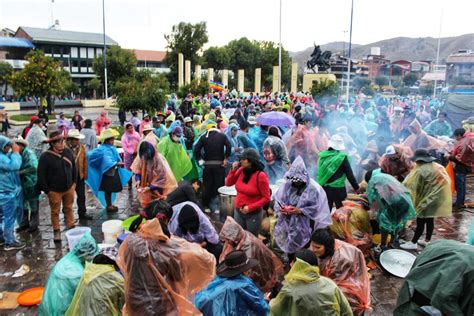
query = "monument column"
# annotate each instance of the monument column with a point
(187, 72)
(275, 79)
(180, 70)
(294, 77)
(240, 80)
(210, 74)
(225, 78)
(197, 73)
(258, 80)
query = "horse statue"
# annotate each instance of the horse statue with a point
(320, 59)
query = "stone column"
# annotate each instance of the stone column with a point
(180, 70)
(240, 80)
(210, 74)
(225, 78)
(187, 72)
(294, 77)
(258, 80)
(197, 73)
(275, 87)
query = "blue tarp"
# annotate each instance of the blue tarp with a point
(15, 42)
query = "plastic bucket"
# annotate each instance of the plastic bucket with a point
(74, 235)
(111, 230)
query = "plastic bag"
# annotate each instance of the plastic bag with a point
(347, 268)
(65, 276)
(162, 274)
(100, 292)
(266, 274)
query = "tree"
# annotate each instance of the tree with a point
(187, 39)
(427, 90)
(216, 57)
(360, 82)
(269, 58)
(382, 81)
(5, 72)
(324, 89)
(196, 88)
(121, 63)
(94, 84)
(42, 77)
(402, 90)
(410, 79)
(244, 54)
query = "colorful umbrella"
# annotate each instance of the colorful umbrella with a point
(276, 119)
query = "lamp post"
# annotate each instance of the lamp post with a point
(105, 51)
(349, 55)
(279, 56)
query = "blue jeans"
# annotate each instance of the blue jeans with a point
(9, 209)
(251, 222)
(460, 185)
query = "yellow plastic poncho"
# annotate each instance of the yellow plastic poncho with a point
(305, 292)
(430, 188)
(100, 292)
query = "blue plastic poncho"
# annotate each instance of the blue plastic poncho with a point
(233, 142)
(10, 184)
(65, 277)
(100, 160)
(292, 232)
(231, 296)
(258, 137)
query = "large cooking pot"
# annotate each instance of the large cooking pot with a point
(226, 200)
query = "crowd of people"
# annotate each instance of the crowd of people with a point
(310, 197)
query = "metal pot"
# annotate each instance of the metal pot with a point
(226, 200)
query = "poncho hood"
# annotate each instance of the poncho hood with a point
(298, 170)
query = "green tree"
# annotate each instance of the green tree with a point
(121, 63)
(402, 90)
(410, 79)
(360, 82)
(188, 39)
(5, 72)
(196, 88)
(427, 90)
(216, 57)
(367, 90)
(244, 54)
(269, 58)
(42, 77)
(94, 84)
(324, 89)
(382, 81)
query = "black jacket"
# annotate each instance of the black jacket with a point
(216, 147)
(56, 172)
(183, 193)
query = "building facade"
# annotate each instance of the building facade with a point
(151, 60)
(460, 68)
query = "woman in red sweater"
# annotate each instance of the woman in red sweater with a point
(253, 190)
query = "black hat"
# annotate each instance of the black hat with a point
(235, 263)
(54, 136)
(423, 155)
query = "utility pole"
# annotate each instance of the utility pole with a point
(349, 57)
(437, 54)
(279, 55)
(105, 51)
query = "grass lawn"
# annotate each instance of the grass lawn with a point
(26, 117)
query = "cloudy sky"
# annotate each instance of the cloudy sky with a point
(141, 24)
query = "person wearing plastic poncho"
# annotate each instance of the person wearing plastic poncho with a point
(275, 155)
(430, 188)
(153, 174)
(306, 292)
(100, 292)
(269, 269)
(300, 206)
(37, 138)
(172, 149)
(65, 277)
(440, 282)
(231, 133)
(392, 202)
(345, 265)
(162, 273)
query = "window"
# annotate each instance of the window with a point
(66, 50)
(83, 53)
(74, 52)
(98, 51)
(48, 50)
(90, 52)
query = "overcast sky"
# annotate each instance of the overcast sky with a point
(141, 23)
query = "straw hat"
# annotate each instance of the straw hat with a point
(74, 133)
(108, 133)
(252, 120)
(188, 120)
(147, 128)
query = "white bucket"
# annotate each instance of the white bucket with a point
(74, 235)
(111, 230)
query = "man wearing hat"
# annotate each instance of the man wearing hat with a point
(232, 293)
(395, 163)
(430, 188)
(333, 169)
(57, 177)
(158, 129)
(188, 132)
(36, 137)
(461, 170)
(29, 179)
(79, 152)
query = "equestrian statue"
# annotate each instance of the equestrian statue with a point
(320, 59)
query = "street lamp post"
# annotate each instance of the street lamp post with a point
(349, 55)
(279, 56)
(105, 52)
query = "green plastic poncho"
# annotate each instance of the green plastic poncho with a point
(28, 174)
(176, 156)
(444, 274)
(328, 163)
(430, 189)
(100, 292)
(65, 277)
(305, 292)
(392, 201)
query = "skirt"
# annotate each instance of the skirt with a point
(111, 181)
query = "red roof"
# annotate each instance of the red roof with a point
(149, 55)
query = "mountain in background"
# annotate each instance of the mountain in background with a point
(397, 48)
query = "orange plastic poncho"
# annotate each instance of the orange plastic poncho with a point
(420, 139)
(162, 274)
(156, 172)
(347, 268)
(269, 269)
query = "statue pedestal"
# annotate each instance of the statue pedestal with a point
(309, 78)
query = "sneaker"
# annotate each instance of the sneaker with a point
(16, 245)
(378, 250)
(423, 243)
(207, 210)
(409, 246)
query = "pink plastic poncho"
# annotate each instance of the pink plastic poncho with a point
(266, 274)
(347, 268)
(162, 274)
(101, 122)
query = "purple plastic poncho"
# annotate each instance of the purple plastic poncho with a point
(292, 232)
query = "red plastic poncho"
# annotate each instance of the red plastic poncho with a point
(266, 274)
(162, 274)
(347, 268)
